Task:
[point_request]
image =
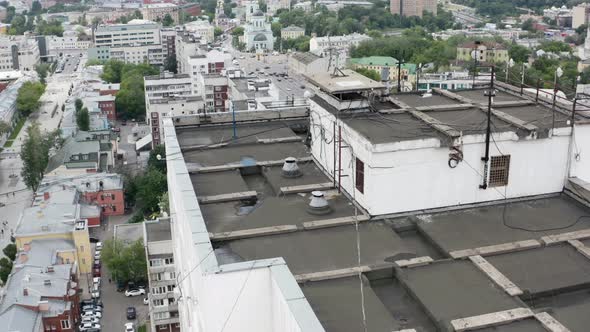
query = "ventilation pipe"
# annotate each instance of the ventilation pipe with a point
(290, 168)
(318, 204)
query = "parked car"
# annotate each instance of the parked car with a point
(86, 326)
(84, 303)
(89, 320)
(96, 281)
(146, 300)
(98, 246)
(129, 327)
(95, 294)
(97, 255)
(134, 292)
(116, 129)
(131, 313)
(96, 272)
(92, 313)
(96, 264)
(94, 240)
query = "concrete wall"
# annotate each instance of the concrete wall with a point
(580, 153)
(415, 175)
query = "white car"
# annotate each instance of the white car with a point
(129, 327)
(92, 313)
(98, 246)
(91, 308)
(95, 294)
(96, 281)
(88, 326)
(135, 292)
(146, 300)
(97, 255)
(89, 320)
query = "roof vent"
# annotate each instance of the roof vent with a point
(50, 269)
(290, 168)
(318, 204)
(47, 282)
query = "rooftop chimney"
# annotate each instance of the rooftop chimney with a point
(46, 195)
(43, 306)
(25, 292)
(318, 204)
(290, 168)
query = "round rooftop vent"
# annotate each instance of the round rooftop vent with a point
(318, 204)
(290, 168)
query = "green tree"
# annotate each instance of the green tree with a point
(27, 100)
(4, 127)
(276, 29)
(528, 25)
(150, 187)
(10, 251)
(372, 74)
(168, 20)
(5, 268)
(262, 5)
(50, 28)
(237, 31)
(83, 119)
(217, 32)
(153, 161)
(126, 262)
(42, 70)
(518, 53)
(78, 103)
(170, 64)
(35, 155)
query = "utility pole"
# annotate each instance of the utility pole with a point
(522, 81)
(558, 73)
(418, 69)
(490, 94)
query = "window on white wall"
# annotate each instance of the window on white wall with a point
(499, 170)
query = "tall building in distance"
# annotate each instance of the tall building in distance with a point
(412, 7)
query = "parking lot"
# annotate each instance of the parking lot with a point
(115, 303)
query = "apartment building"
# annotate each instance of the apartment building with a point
(69, 42)
(413, 7)
(274, 5)
(167, 85)
(487, 52)
(168, 41)
(157, 11)
(292, 32)
(18, 53)
(201, 30)
(580, 15)
(215, 92)
(161, 276)
(336, 47)
(387, 67)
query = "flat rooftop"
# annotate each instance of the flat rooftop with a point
(537, 115)
(526, 325)
(545, 271)
(418, 100)
(351, 81)
(455, 289)
(470, 121)
(570, 309)
(479, 96)
(485, 226)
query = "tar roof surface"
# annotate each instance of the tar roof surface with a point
(570, 309)
(336, 303)
(247, 133)
(536, 115)
(469, 121)
(247, 154)
(270, 211)
(327, 248)
(545, 270)
(484, 226)
(527, 325)
(158, 231)
(416, 100)
(218, 183)
(386, 128)
(455, 289)
(478, 96)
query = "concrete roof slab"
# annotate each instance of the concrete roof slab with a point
(416, 100)
(218, 183)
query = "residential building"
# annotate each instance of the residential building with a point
(487, 52)
(307, 63)
(335, 5)
(167, 85)
(258, 34)
(157, 11)
(387, 67)
(85, 152)
(306, 6)
(168, 41)
(193, 56)
(105, 103)
(8, 113)
(412, 7)
(201, 30)
(292, 32)
(255, 92)
(57, 214)
(272, 6)
(161, 275)
(104, 190)
(158, 108)
(215, 92)
(18, 53)
(461, 80)
(191, 9)
(41, 297)
(562, 16)
(336, 48)
(580, 14)
(69, 42)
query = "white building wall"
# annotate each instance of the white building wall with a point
(414, 175)
(580, 153)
